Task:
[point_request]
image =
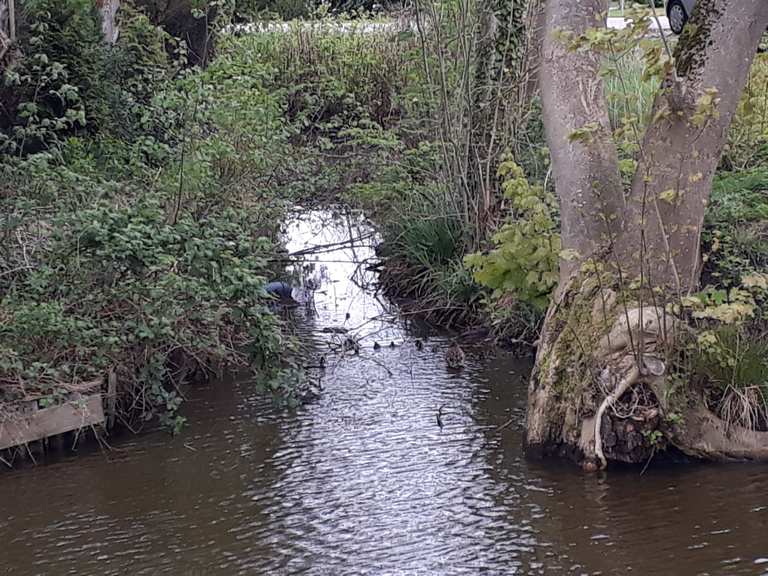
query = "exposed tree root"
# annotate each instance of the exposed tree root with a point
(610, 400)
(708, 437)
(601, 388)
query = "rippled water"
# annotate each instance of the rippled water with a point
(364, 480)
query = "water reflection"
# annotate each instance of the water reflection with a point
(364, 481)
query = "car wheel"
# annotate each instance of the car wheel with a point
(677, 16)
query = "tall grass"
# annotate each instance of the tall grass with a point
(630, 95)
(735, 373)
(425, 271)
(325, 68)
(748, 137)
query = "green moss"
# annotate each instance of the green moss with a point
(578, 338)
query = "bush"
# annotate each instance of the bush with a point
(41, 92)
(123, 289)
(525, 260)
(138, 240)
(748, 137)
(735, 234)
(728, 356)
(290, 9)
(68, 81)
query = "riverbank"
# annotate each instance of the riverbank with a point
(142, 220)
(139, 222)
(469, 242)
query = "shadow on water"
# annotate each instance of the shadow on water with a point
(364, 480)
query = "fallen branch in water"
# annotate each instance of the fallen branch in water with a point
(506, 424)
(322, 248)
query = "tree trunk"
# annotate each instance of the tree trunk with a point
(607, 338)
(108, 10)
(586, 172)
(680, 152)
(178, 18)
(494, 113)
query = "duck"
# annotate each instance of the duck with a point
(376, 346)
(454, 356)
(350, 344)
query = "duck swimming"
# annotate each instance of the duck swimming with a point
(454, 356)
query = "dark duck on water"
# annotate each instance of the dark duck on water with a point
(454, 357)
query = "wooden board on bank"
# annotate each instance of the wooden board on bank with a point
(37, 424)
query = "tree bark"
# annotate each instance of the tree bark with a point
(601, 338)
(680, 154)
(7, 30)
(108, 10)
(573, 96)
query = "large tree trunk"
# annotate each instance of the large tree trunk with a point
(679, 154)
(586, 172)
(607, 337)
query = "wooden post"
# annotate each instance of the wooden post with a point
(111, 398)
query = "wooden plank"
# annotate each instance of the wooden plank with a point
(72, 415)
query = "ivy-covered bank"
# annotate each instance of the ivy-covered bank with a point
(138, 215)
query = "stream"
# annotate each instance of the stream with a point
(363, 479)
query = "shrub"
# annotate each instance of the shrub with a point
(735, 235)
(748, 137)
(729, 355)
(41, 92)
(525, 260)
(122, 288)
(140, 244)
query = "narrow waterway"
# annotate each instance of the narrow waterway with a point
(363, 479)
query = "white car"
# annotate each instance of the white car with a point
(678, 12)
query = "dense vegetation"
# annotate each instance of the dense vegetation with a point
(138, 219)
(141, 197)
(370, 120)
